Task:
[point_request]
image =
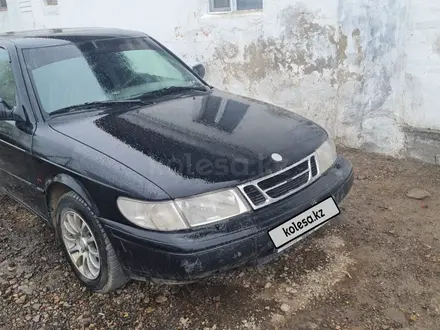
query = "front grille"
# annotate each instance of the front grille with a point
(287, 175)
(277, 186)
(254, 195)
(313, 166)
(288, 186)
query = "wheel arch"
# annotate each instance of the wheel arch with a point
(60, 184)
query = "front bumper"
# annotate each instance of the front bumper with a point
(179, 257)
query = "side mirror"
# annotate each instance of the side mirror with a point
(5, 112)
(199, 69)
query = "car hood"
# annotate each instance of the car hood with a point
(199, 143)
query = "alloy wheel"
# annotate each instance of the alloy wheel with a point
(81, 245)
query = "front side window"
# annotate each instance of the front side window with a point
(216, 6)
(103, 70)
(8, 89)
(3, 5)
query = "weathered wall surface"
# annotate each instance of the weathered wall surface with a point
(422, 83)
(421, 113)
(365, 69)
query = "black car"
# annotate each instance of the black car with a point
(144, 170)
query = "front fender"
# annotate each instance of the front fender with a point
(74, 185)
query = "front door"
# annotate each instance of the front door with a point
(16, 171)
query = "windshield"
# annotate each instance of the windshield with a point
(103, 70)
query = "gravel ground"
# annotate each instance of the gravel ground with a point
(378, 267)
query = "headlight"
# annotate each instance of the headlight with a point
(161, 216)
(204, 209)
(326, 155)
(184, 213)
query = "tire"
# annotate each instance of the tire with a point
(110, 275)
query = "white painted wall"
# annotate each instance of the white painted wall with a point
(422, 79)
(362, 68)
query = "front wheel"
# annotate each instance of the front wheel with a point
(86, 245)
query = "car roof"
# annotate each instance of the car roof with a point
(55, 36)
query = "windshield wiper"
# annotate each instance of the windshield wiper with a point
(96, 104)
(172, 90)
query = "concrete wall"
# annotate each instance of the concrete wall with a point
(368, 70)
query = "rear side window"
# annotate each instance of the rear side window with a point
(7, 81)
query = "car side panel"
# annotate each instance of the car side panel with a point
(101, 177)
(16, 171)
(16, 177)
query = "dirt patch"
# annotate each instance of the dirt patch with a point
(378, 267)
